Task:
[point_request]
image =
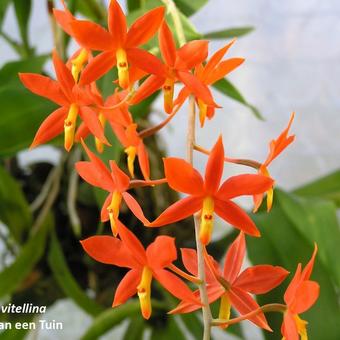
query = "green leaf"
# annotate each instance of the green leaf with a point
(22, 113)
(92, 9)
(284, 243)
(110, 318)
(9, 72)
(327, 187)
(190, 7)
(22, 12)
(135, 330)
(3, 8)
(317, 221)
(17, 334)
(14, 209)
(190, 31)
(66, 281)
(12, 276)
(228, 33)
(169, 332)
(227, 88)
(193, 324)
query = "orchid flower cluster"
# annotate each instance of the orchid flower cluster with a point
(83, 112)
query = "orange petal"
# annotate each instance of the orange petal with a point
(307, 271)
(104, 214)
(293, 285)
(134, 207)
(51, 127)
(109, 250)
(149, 86)
(182, 177)
(214, 168)
(289, 328)
(132, 243)
(191, 54)
(234, 215)
(127, 287)
(117, 24)
(178, 211)
(167, 44)
(175, 285)
(145, 61)
(91, 120)
(305, 296)
(97, 67)
(89, 173)
(261, 279)
(224, 68)
(244, 303)
(247, 184)
(64, 19)
(119, 177)
(44, 86)
(215, 59)
(234, 258)
(161, 252)
(196, 87)
(145, 27)
(92, 36)
(143, 159)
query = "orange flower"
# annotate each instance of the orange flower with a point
(237, 287)
(119, 45)
(115, 182)
(178, 63)
(74, 101)
(275, 148)
(208, 74)
(300, 295)
(207, 196)
(144, 265)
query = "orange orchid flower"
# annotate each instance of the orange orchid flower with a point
(144, 265)
(74, 101)
(208, 74)
(178, 63)
(237, 287)
(275, 148)
(80, 57)
(134, 146)
(115, 182)
(300, 295)
(119, 46)
(208, 196)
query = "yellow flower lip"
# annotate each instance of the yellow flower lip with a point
(113, 210)
(168, 90)
(131, 152)
(78, 63)
(144, 292)
(224, 311)
(123, 68)
(207, 220)
(70, 126)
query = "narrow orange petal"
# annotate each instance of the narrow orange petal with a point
(167, 44)
(161, 252)
(117, 24)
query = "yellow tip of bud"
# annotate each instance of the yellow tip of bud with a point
(70, 127)
(113, 210)
(203, 108)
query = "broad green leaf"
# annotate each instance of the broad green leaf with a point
(14, 209)
(193, 323)
(17, 334)
(169, 331)
(317, 221)
(227, 88)
(9, 72)
(22, 12)
(92, 9)
(190, 31)
(228, 33)
(190, 7)
(327, 187)
(110, 318)
(66, 281)
(283, 243)
(3, 8)
(21, 114)
(134, 5)
(12, 276)
(135, 330)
